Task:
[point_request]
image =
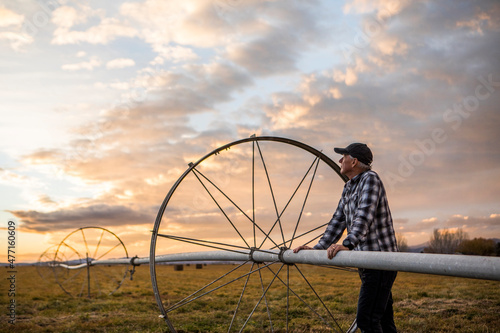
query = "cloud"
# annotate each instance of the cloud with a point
(285, 34)
(120, 63)
(430, 220)
(395, 93)
(473, 222)
(176, 54)
(275, 33)
(65, 17)
(15, 34)
(190, 22)
(11, 178)
(77, 217)
(481, 19)
(9, 18)
(273, 54)
(87, 65)
(475, 226)
(107, 30)
(17, 40)
(383, 8)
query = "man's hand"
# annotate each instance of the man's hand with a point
(302, 247)
(333, 249)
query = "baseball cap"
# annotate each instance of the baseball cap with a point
(357, 150)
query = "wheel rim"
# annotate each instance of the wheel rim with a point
(267, 294)
(79, 249)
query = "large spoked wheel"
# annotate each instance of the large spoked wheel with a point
(74, 269)
(255, 194)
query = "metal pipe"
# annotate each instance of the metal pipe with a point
(476, 267)
(56, 264)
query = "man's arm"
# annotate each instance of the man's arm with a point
(333, 231)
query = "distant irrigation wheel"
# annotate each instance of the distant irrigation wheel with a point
(47, 263)
(259, 193)
(73, 258)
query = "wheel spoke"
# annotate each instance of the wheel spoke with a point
(70, 247)
(222, 210)
(253, 195)
(206, 243)
(263, 295)
(287, 294)
(96, 280)
(114, 247)
(72, 276)
(317, 296)
(272, 193)
(252, 220)
(239, 300)
(304, 234)
(265, 300)
(286, 206)
(222, 192)
(98, 243)
(85, 240)
(82, 288)
(183, 301)
(217, 288)
(304, 204)
(302, 300)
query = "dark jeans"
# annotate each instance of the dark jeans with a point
(375, 312)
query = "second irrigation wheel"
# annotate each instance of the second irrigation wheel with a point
(48, 265)
(74, 271)
(259, 193)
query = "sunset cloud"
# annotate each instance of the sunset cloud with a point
(10, 18)
(107, 30)
(100, 215)
(120, 63)
(89, 65)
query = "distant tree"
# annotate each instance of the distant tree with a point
(402, 242)
(445, 241)
(478, 246)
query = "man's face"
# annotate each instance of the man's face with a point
(346, 164)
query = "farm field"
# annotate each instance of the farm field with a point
(422, 303)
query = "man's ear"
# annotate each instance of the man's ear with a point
(354, 162)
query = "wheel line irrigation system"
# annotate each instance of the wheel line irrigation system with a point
(477, 267)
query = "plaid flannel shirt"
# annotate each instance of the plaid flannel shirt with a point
(364, 211)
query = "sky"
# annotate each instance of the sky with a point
(103, 104)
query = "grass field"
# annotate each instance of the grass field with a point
(423, 303)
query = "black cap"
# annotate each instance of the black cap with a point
(357, 150)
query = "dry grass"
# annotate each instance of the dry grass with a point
(423, 303)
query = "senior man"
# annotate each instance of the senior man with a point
(364, 211)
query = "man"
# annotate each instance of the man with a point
(363, 210)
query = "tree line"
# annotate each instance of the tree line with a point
(446, 241)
